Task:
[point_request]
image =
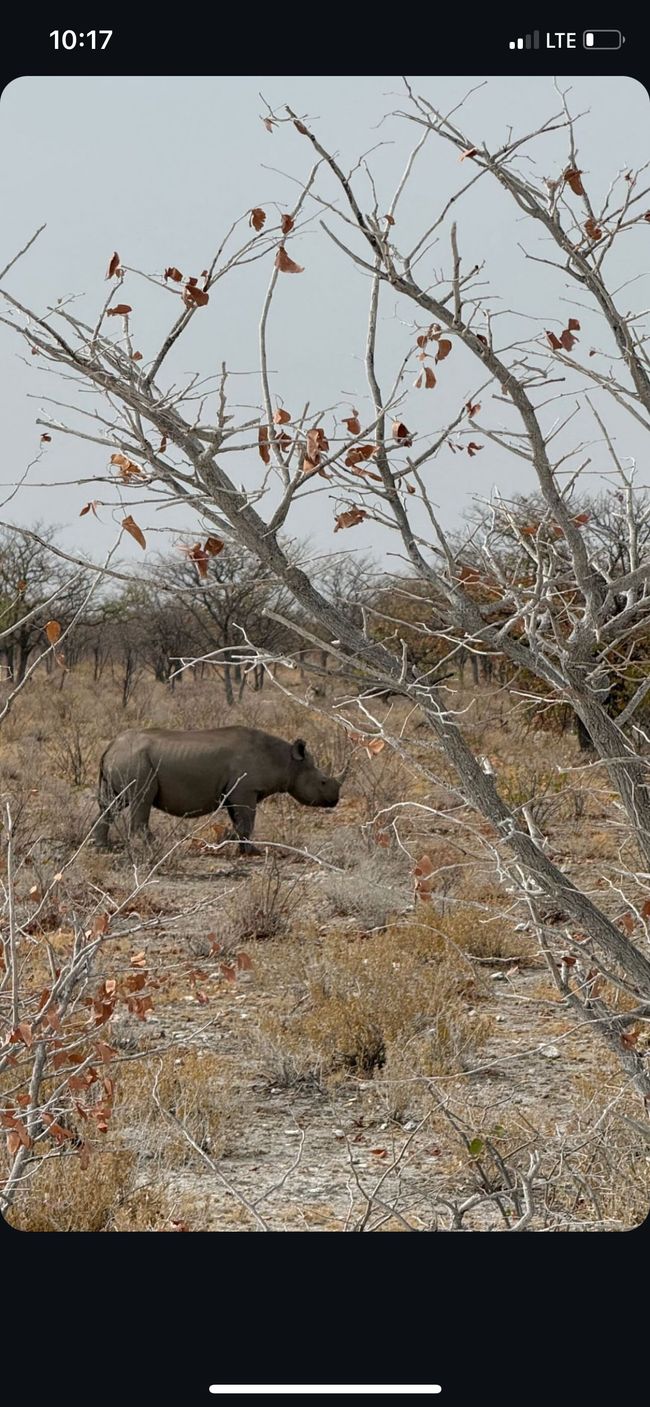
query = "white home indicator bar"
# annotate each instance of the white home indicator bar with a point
(433, 1387)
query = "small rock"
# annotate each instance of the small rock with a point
(497, 977)
(409, 1125)
(550, 1051)
(500, 1018)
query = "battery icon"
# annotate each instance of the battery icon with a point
(603, 39)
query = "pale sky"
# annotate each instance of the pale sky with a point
(158, 168)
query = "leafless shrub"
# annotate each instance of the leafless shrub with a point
(379, 885)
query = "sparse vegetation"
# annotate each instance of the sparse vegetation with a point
(429, 1006)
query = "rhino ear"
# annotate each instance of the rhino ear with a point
(298, 750)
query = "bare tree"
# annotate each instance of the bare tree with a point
(557, 607)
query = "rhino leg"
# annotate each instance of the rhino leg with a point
(242, 814)
(100, 831)
(142, 800)
(141, 805)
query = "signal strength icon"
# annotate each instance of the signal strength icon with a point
(529, 41)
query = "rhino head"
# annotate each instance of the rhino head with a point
(307, 783)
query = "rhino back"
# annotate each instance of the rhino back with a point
(195, 767)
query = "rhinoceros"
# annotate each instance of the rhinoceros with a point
(191, 773)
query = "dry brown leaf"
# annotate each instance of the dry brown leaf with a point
(263, 444)
(200, 559)
(287, 223)
(174, 274)
(350, 518)
(53, 631)
(285, 265)
(468, 153)
(213, 546)
(281, 417)
(316, 440)
(401, 433)
(13, 1142)
(473, 449)
(367, 474)
(257, 218)
(120, 310)
(426, 378)
(46, 439)
(592, 229)
(131, 527)
(554, 341)
(194, 297)
(444, 348)
(114, 266)
(353, 424)
(572, 177)
(357, 454)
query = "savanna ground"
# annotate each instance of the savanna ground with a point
(316, 1039)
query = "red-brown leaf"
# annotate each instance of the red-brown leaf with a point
(257, 218)
(316, 440)
(444, 348)
(285, 265)
(131, 527)
(568, 340)
(263, 444)
(473, 449)
(199, 557)
(401, 433)
(120, 310)
(194, 297)
(573, 179)
(287, 224)
(213, 546)
(128, 470)
(469, 152)
(46, 439)
(53, 631)
(592, 229)
(426, 378)
(114, 266)
(174, 274)
(554, 341)
(353, 424)
(350, 518)
(281, 417)
(357, 454)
